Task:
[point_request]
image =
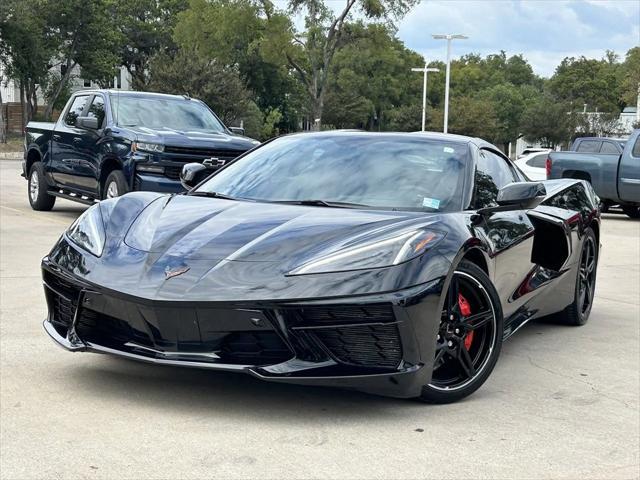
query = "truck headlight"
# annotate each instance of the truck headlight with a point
(147, 147)
(88, 231)
(385, 252)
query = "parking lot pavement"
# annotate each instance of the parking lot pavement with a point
(561, 403)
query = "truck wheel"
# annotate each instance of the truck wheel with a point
(39, 198)
(115, 185)
(632, 212)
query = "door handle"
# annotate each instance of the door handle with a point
(77, 140)
(56, 137)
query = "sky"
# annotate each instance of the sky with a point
(544, 31)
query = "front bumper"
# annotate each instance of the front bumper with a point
(374, 344)
(147, 182)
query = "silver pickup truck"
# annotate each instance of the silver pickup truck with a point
(615, 176)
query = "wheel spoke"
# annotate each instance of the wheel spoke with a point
(452, 295)
(465, 361)
(477, 320)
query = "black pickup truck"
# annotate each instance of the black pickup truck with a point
(107, 143)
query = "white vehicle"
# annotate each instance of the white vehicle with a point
(534, 165)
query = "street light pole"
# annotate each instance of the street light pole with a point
(448, 38)
(426, 71)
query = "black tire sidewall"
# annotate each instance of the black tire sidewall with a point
(631, 212)
(581, 317)
(432, 395)
(118, 177)
(44, 201)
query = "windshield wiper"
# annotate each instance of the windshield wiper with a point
(212, 195)
(322, 203)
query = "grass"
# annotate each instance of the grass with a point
(14, 143)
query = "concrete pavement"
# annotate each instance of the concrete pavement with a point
(562, 402)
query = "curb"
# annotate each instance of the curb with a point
(11, 155)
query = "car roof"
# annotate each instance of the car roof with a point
(133, 93)
(449, 137)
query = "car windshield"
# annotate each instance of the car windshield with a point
(161, 113)
(359, 170)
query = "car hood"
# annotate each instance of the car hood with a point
(193, 139)
(196, 228)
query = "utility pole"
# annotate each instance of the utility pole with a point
(426, 71)
(448, 37)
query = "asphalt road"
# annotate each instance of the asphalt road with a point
(561, 403)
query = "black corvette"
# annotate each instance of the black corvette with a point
(389, 263)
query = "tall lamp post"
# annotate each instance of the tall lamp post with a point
(448, 38)
(426, 71)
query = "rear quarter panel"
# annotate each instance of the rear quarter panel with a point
(37, 138)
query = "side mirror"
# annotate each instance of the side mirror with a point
(518, 196)
(90, 123)
(192, 174)
(237, 130)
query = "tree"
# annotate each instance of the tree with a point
(630, 87)
(473, 116)
(26, 48)
(218, 86)
(310, 53)
(146, 26)
(594, 82)
(86, 36)
(371, 76)
(548, 121)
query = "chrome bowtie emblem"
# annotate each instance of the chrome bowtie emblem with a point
(214, 162)
(174, 272)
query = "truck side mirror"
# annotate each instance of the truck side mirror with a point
(192, 174)
(90, 123)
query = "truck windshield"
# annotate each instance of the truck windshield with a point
(357, 170)
(163, 113)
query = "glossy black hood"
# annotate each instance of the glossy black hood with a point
(236, 250)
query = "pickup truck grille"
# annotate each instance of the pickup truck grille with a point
(202, 153)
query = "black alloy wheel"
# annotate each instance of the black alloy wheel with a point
(469, 336)
(577, 313)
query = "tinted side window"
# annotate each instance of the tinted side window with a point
(608, 147)
(539, 161)
(590, 146)
(75, 110)
(97, 110)
(492, 173)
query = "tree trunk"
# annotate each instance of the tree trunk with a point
(63, 81)
(3, 129)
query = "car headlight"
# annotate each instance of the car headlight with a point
(147, 147)
(88, 231)
(385, 252)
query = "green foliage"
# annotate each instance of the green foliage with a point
(548, 121)
(594, 82)
(146, 27)
(630, 87)
(217, 85)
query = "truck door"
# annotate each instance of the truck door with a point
(629, 172)
(65, 142)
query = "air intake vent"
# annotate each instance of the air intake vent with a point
(366, 345)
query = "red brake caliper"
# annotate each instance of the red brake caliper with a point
(465, 310)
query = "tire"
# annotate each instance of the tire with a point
(39, 198)
(631, 211)
(115, 185)
(481, 351)
(578, 312)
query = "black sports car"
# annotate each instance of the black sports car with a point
(384, 262)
